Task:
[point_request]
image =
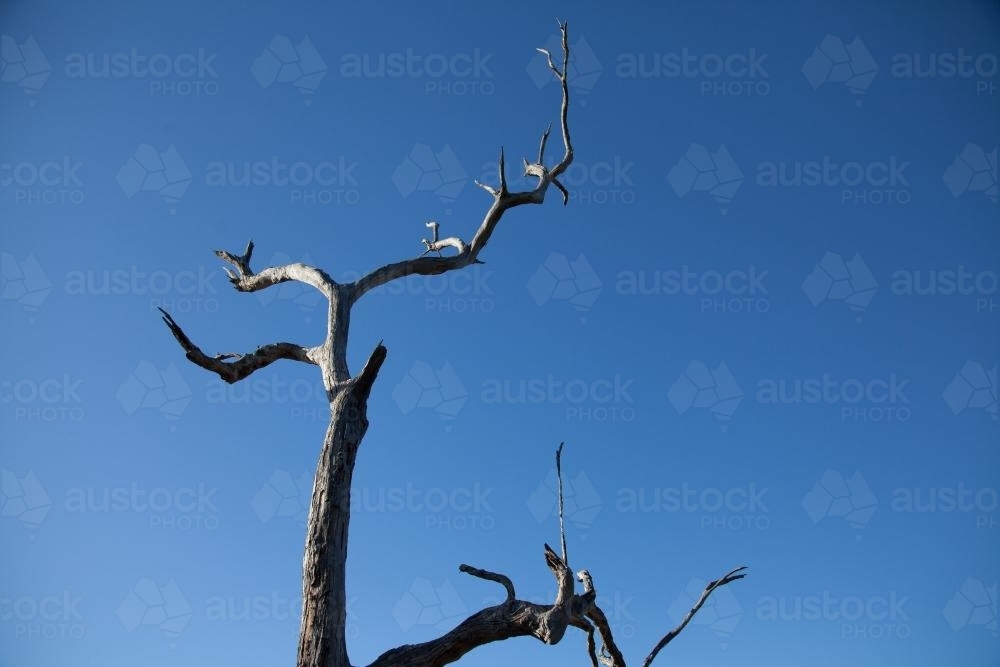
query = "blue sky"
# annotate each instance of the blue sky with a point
(659, 324)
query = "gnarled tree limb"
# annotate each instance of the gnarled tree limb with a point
(547, 623)
(503, 200)
(234, 371)
(245, 280)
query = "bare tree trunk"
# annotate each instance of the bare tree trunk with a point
(322, 638)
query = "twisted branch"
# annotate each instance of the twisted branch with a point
(503, 200)
(245, 364)
(245, 280)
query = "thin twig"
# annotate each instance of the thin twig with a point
(562, 525)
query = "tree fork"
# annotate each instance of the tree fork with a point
(322, 638)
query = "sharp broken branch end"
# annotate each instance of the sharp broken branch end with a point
(502, 169)
(490, 189)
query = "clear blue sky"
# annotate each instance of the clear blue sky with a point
(636, 300)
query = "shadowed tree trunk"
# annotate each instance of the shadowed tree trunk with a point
(322, 638)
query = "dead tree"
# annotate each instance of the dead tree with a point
(322, 640)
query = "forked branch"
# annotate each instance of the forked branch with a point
(728, 578)
(245, 364)
(547, 623)
(503, 200)
(245, 280)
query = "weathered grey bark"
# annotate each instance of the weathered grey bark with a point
(322, 638)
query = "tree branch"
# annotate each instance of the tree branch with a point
(562, 526)
(244, 365)
(512, 618)
(468, 253)
(515, 618)
(245, 280)
(728, 578)
(501, 579)
(366, 378)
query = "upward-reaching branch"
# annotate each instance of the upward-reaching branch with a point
(503, 200)
(562, 525)
(728, 578)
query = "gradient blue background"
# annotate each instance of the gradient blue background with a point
(500, 333)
